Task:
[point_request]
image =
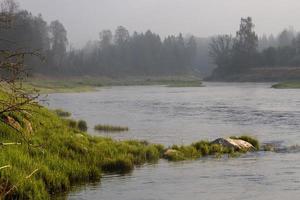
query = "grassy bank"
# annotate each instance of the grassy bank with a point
(48, 85)
(49, 154)
(287, 85)
(57, 154)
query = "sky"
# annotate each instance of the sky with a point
(84, 19)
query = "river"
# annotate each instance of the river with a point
(184, 115)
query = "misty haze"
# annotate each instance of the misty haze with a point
(149, 99)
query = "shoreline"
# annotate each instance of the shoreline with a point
(89, 84)
(287, 85)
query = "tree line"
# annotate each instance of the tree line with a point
(113, 54)
(119, 53)
(235, 55)
(137, 54)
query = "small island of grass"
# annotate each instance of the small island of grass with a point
(110, 128)
(287, 85)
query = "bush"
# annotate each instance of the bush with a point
(82, 125)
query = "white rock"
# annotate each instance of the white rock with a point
(237, 144)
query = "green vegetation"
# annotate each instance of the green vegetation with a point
(287, 85)
(206, 148)
(62, 113)
(82, 125)
(61, 155)
(266, 58)
(47, 86)
(87, 84)
(109, 128)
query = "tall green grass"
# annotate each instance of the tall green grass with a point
(110, 128)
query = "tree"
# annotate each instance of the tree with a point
(12, 73)
(220, 49)
(286, 37)
(121, 36)
(58, 42)
(105, 38)
(269, 57)
(245, 46)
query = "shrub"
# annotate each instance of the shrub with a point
(82, 125)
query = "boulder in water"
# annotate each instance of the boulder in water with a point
(236, 144)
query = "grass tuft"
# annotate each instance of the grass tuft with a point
(62, 113)
(109, 128)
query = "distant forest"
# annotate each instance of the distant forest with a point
(114, 54)
(119, 53)
(246, 51)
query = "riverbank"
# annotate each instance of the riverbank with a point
(51, 154)
(287, 85)
(263, 74)
(47, 85)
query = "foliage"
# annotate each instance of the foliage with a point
(220, 49)
(237, 56)
(82, 125)
(115, 54)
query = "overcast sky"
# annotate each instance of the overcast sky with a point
(84, 19)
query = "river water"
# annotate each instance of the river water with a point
(184, 115)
